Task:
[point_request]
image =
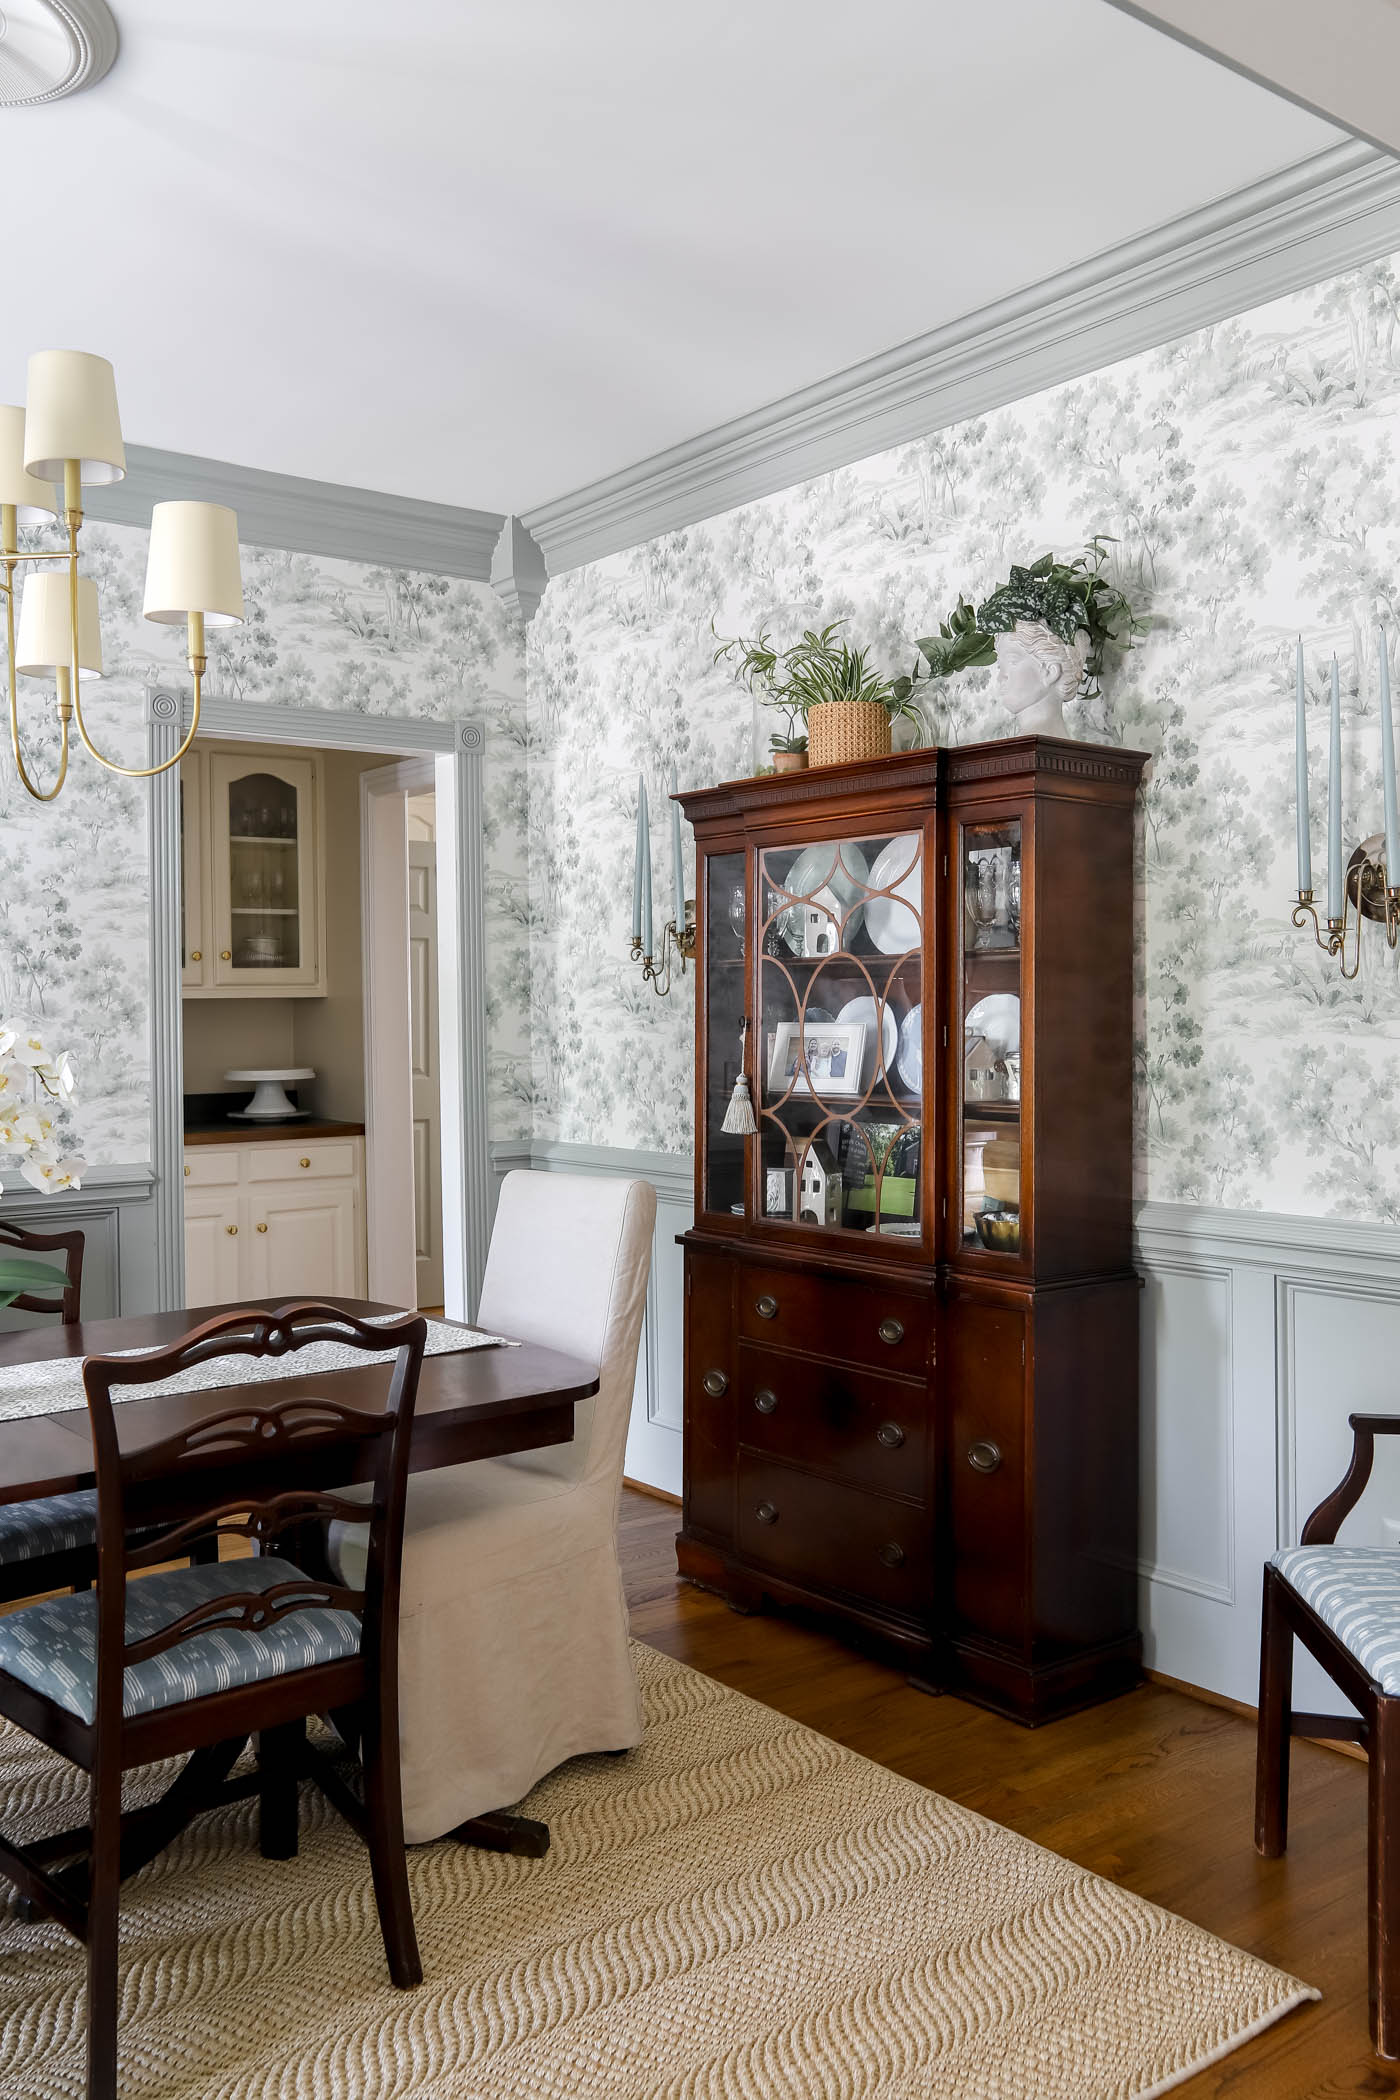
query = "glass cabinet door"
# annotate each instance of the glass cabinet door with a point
(196, 963)
(990, 1017)
(838, 1055)
(264, 879)
(726, 962)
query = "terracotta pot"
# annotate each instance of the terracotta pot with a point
(840, 730)
(789, 761)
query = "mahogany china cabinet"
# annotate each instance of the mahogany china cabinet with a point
(911, 1382)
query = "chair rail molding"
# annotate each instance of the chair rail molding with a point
(456, 749)
(1331, 212)
(307, 517)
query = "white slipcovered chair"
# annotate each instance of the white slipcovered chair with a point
(513, 1628)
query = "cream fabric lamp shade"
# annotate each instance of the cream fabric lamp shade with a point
(45, 642)
(70, 412)
(192, 564)
(35, 500)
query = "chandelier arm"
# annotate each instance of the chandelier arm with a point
(37, 793)
(142, 772)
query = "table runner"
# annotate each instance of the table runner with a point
(55, 1384)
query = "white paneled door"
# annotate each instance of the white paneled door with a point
(423, 1053)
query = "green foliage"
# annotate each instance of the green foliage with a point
(819, 668)
(1069, 597)
(18, 1276)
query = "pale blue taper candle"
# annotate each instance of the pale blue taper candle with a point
(645, 850)
(1304, 836)
(677, 858)
(1334, 804)
(637, 863)
(1392, 818)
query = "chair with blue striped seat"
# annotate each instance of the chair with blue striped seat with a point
(50, 1544)
(1343, 1604)
(191, 1661)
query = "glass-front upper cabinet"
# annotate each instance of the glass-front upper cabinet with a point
(196, 959)
(991, 1052)
(726, 956)
(262, 848)
(839, 1046)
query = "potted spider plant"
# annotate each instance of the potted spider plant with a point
(847, 708)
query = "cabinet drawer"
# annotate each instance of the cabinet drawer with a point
(867, 1430)
(862, 1323)
(212, 1166)
(830, 1537)
(309, 1162)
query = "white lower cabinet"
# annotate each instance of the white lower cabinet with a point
(273, 1221)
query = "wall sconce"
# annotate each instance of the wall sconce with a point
(678, 935)
(1366, 888)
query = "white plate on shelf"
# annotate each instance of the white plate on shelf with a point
(997, 1019)
(893, 925)
(823, 873)
(910, 1063)
(863, 1009)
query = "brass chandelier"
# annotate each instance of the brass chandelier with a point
(69, 433)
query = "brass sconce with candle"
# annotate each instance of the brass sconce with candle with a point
(69, 432)
(1366, 888)
(678, 934)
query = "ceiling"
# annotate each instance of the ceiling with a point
(486, 254)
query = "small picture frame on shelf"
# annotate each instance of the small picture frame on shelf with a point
(826, 1058)
(777, 1192)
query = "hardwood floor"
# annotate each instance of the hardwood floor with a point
(1154, 1790)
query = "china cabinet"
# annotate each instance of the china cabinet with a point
(252, 866)
(272, 1219)
(911, 1315)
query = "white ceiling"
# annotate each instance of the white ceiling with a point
(485, 254)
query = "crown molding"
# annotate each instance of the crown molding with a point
(518, 573)
(306, 517)
(1331, 212)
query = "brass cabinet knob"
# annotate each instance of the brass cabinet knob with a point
(892, 1555)
(984, 1456)
(766, 1307)
(716, 1383)
(303, 1162)
(890, 1435)
(225, 955)
(187, 1173)
(262, 1228)
(196, 955)
(765, 1400)
(766, 1513)
(891, 1331)
(232, 1231)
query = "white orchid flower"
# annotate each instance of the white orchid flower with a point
(49, 1175)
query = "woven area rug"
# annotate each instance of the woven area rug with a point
(739, 1908)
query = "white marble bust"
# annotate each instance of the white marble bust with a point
(1036, 674)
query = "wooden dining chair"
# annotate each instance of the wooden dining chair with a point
(1343, 1604)
(192, 1660)
(47, 1545)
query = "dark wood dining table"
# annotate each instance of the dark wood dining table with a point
(479, 1403)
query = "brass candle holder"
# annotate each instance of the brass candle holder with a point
(677, 943)
(1366, 894)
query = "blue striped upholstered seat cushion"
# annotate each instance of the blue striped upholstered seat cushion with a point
(1355, 1590)
(53, 1645)
(57, 1524)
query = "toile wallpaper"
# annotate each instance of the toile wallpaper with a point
(74, 879)
(1248, 475)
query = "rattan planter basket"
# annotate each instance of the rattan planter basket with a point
(840, 730)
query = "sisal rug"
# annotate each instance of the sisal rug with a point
(739, 1910)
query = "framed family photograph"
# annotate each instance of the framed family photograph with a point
(824, 1059)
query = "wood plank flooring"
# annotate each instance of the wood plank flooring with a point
(1154, 1790)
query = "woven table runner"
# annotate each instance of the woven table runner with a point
(55, 1385)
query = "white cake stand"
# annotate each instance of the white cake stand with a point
(269, 1103)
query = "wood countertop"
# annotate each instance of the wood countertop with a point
(266, 1133)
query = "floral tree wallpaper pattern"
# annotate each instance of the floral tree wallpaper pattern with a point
(1248, 474)
(74, 879)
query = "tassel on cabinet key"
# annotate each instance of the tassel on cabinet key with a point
(739, 1118)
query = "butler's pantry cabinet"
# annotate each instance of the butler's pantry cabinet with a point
(253, 867)
(268, 1219)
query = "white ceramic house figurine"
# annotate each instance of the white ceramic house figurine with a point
(1037, 673)
(819, 1192)
(821, 924)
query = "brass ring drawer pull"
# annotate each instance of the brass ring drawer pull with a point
(984, 1456)
(891, 1331)
(765, 1400)
(766, 1307)
(892, 1555)
(766, 1513)
(716, 1384)
(890, 1435)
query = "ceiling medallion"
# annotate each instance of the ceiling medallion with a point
(52, 48)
